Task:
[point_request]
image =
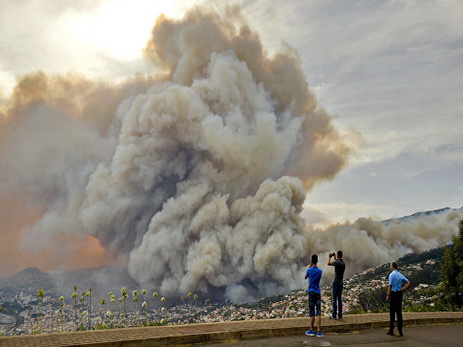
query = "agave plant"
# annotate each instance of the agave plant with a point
(40, 296)
(89, 295)
(135, 307)
(143, 305)
(103, 321)
(124, 297)
(109, 316)
(155, 295)
(83, 319)
(163, 316)
(74, 297)
(61, 316)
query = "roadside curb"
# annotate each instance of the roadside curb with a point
(223, 331)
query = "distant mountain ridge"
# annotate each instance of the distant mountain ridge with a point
(419, 214)
(27, 280)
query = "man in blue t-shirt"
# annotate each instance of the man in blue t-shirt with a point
(314, 274)
(397, 284)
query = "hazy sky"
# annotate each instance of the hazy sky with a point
(391, 70)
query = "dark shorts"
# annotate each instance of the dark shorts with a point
(315, 304)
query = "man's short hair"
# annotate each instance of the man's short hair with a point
(339, 254)
(394, 264)
(314, 259)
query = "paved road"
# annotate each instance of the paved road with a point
(419, 336)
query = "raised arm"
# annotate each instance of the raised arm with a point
(329, 259)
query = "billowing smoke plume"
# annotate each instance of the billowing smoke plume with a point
(367, 243)
(194, 180)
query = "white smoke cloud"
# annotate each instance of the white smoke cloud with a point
(193, 180)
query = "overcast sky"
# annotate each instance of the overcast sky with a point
(391, 70)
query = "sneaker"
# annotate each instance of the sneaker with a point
(310, 333)
(332, 317)
(320, 334)
(340, 318)
(390, 333)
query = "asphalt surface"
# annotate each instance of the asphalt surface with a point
(419, 336)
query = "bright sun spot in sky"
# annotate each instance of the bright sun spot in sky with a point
(119, 28)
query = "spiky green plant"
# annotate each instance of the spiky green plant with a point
(89, 295)
(143, 308)
(155, 295)
(61, 316)
(135, 307)
(121, 319)
(40, 296)
(124, 297)
(83, 319)
(144, 305)
(74, 297)
(113, 298)
(163, 316)
(109, 316)
(103, 322)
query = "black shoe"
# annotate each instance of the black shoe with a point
(400, 333)
(331, 317)
(340, 318)
(390, 333)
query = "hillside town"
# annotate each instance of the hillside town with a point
(363, 292)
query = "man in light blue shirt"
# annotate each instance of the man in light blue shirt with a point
(397, 284)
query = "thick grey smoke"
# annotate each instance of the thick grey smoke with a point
(193, 190)
(367, 243)
(193, 180)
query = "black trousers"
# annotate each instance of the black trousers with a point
(395, 302)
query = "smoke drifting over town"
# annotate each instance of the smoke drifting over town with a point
(193, 179)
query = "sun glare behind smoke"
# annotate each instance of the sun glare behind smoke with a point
(116, 28)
